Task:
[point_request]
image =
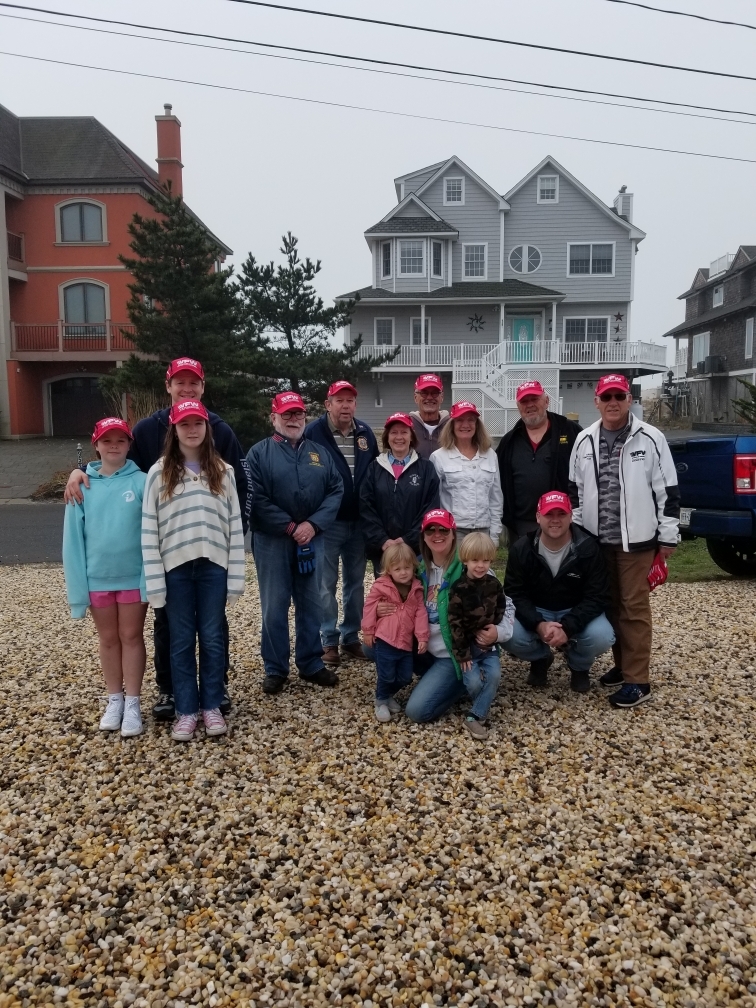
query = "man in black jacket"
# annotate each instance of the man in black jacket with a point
(534, 457)
(352, 445)
(559, 584)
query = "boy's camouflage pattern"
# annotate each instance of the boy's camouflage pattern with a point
(473, 604)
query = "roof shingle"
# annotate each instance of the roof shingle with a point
(412, 225)
(469, 291)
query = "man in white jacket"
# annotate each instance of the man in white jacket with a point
(625, 484)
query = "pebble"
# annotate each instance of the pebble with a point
(314, 857)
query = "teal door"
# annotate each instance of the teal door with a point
(523, 331)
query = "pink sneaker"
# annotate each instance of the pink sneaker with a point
(215, 723)
(184, 727)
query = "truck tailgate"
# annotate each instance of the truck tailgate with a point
(704, 472)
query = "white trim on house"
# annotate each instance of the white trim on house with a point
(587, 319)
(748, 349)
(590, 272)
(384, 318)
(525, 258)
(428, 331)
(717, 296)
(446, 167)
(550, 202)
(424, 253)
(447, 180)
(501, 246)
(82, 280)
(59, 231)
(474, 244)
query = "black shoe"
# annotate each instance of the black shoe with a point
(580, 682)
(225, 705)
(614, 677)
(273, 684)
(630, 695)
(539, 671)
(164, 709)
(323, 677)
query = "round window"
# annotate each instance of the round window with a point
(525, 259)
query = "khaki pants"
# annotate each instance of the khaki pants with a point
(630, 610)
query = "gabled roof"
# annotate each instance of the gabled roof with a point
(425, 210)
(743, 257)
(711, 316)
(701, 277)
(464, 291)
(454, 160)
(410, 175)
(426, 222)
(633, 231)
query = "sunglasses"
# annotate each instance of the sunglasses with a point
(437, 530)
(608, 396)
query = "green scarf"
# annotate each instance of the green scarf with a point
(451, 574)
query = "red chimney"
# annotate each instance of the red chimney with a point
(169, 150)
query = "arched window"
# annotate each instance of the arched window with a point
(81, 222)
(525, 259)
(84, 309)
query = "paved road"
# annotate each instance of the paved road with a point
(31, 533)
(27, 463)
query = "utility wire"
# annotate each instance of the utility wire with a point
(488, 38)
(391, 73)
(698, 17)
(364, 59)
(363, 108)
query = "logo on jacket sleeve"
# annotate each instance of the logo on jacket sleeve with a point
(362, 443)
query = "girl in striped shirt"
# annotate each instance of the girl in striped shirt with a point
(193, 549)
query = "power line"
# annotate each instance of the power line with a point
(363, 108)
(488, 38)
(392, 73)
(698, 17)
(364, 59)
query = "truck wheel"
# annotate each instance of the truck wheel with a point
(736, 556)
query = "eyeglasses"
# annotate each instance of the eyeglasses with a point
(608, 396)
(437, 530)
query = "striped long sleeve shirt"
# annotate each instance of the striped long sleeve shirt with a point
(193, 523)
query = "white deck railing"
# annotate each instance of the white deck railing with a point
(510, 352)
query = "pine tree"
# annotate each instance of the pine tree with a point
(746, 408)
(280, 303)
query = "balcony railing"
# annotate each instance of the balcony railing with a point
(510, 352)
(15, 246)
(62, 337)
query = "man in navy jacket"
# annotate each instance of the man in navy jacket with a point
(352, 445)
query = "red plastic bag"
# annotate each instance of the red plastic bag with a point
(659, 572)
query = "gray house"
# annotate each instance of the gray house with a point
(489, 290)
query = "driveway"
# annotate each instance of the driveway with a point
(31, 533)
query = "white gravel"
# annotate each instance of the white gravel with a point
(581, 856)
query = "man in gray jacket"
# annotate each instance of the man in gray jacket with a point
(624, 480)
(428, 420)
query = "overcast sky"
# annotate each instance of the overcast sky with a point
(258, 166)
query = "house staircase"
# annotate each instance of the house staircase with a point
(491, 381)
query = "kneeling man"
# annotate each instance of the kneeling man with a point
(557, 579)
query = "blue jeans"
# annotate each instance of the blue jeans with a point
(581, 650)
(195, 605)
(280, 582)
(438, 689)
(342, 541)
(482, 681)
(393, 669)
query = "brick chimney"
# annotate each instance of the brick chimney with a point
(169, 150)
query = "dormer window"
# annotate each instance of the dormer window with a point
(80, 222)
(454, 191)
(548, 189)
(718, 296)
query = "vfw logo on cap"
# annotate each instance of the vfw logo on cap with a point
(289, 397)
(550, 498)
(185, 362)
(438, 513)
(185, 405)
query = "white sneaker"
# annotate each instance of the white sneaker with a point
(382, 713)
(394, 706)
(215, 723)
(132, 718)
(184, 727)
(111, 719)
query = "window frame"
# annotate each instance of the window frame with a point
(693, 362)
(454, 178)
(428, 330)
(586, 319)
(748, 348)
(384, 318)
(475, 279)
(422, 242)
(548, 202)
(78, 244)
(717, 289)
(440, 275)
(590, 272)
(525, 246)
(381, 246)
(82, 280)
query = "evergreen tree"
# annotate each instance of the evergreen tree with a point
(746, 408)
(281, 304)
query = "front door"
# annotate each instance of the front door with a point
(523, 333)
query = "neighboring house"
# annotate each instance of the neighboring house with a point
(69, 190)
(489, 290)
(714, 345)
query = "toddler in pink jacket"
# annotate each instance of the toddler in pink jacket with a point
(391, 637)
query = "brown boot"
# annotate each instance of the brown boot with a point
(354, 650)
(331, 656)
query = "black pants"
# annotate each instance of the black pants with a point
(162, 641)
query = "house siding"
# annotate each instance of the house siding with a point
(449, 323)
(477, 221)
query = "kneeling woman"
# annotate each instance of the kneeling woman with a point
(442, 684)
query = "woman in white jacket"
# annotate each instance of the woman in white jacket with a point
(468, 472)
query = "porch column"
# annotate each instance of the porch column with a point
(422, 335)
(554, 334)
(502, 322)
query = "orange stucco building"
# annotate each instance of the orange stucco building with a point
(69, 190)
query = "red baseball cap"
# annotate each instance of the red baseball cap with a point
(439, 517)
(187, 408)
(429, 381)
(341, 386)
(612, 381)
(108, 424)
(528, 388)
(184, 364)
(398, 418)
(286, 401)
(552, 500)
(460, 408)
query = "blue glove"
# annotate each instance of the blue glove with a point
(305, 559)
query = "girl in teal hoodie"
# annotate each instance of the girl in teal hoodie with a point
(102, 564)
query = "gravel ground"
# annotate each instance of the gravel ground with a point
(581, 856)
